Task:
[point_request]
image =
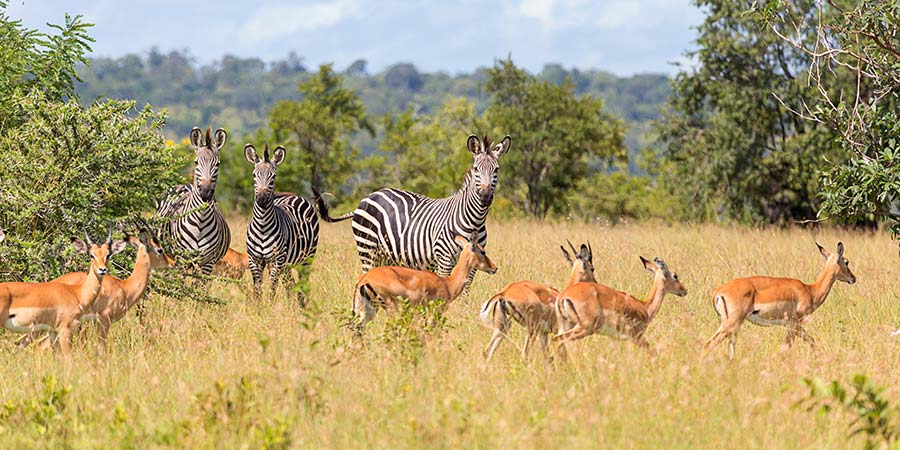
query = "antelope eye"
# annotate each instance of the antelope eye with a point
(675, 276)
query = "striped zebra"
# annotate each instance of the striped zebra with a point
(398, 227)
(284, 229)
(196, 226)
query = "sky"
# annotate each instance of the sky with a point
(621, 36)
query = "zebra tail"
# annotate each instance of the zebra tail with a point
(322, 209)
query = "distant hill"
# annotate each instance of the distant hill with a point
(236, 93)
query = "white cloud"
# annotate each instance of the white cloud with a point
(273, 22)
(605, 15)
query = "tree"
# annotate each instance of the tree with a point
(66, 168)
(558, 138)
(855, 41)
(38, 61)
(315, 131)
(427, 154)
(731, 150)
(403, 76)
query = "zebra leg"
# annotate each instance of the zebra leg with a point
(256, 269)
(274, 277)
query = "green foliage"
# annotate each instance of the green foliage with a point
(617, 197)
(411, 328)
(855, 40)
(41, 415)
(427, 154)
(732, 151)
(38, 61)
(315, 131)
(67, 168)
(558, 138)
(874, 416)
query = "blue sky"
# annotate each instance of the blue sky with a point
(621, 36)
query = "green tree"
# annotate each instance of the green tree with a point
(731, 150)
(558, 138)
(316, 130)
(856, 41)
(66, 168)
(38, 61)
(427, 154)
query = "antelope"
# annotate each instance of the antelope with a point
(770, 301)
(384, 286)
(593, 307)
(532, 305)
(232, 265)
(53, 306)
(117, 296)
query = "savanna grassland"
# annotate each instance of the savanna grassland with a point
(248, 375)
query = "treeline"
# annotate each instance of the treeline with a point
(237, 93)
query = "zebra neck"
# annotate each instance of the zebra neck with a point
(468, 200)
(264, 213)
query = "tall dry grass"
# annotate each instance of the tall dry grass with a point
(245, 375)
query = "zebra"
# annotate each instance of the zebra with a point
(398, 227)
(196, 225)
(284, 229)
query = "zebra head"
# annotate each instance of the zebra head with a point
(485, 166)
(264, 172)
(206, 162)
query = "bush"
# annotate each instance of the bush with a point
(66, 168)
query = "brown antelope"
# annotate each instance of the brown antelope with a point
(531, 305)
(117, 296)
(54, 306)
(770, 301)
(593, 307)
(384, 286)
(232, 265)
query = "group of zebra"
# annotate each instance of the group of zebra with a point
(391, 226)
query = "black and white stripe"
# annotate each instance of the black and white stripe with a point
(284, 229)
(397, 227)
(196, 225)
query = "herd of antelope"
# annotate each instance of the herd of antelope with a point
(582, 308)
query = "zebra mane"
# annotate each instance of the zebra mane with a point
(208, 136)
(486, 142)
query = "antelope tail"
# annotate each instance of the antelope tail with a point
(716, 301)
(322, 209)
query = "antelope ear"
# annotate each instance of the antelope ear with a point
(117, 246)
(250, 154)
(473, 144)
(219, 139)
(503, 147)
(648, 265)
(80, 245)
(566, 255)
(822, 250)
(585, 253)
(662, 265)
(840, 250)
(278, 157)
(196, 137)
(461, 240)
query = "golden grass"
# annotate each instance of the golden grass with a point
(242, 375)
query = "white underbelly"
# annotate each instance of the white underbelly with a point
(756, 319)
(11, 325)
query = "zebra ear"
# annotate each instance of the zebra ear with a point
(250, 154)
(473, 144)
(196, 137)
(278, 156)
(219, 139)
(503, 147)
